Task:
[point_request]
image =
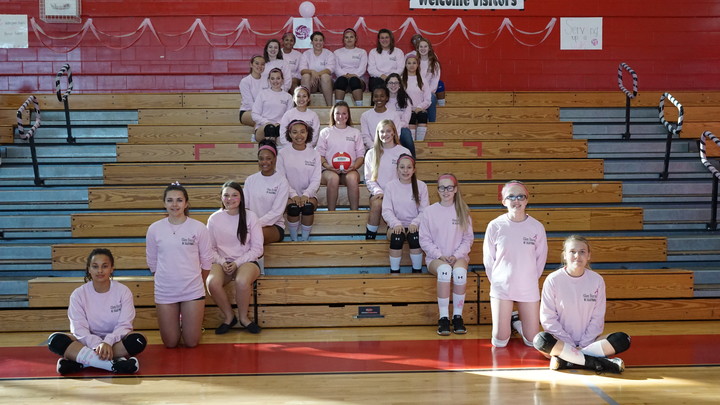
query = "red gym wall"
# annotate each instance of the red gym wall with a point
(672, 44)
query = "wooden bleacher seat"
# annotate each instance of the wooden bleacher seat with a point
(692, 113)
(106, 101)
(247, 151)
(607, 98)
(6, 134)
(693, 130)
(575, 192)
(352, 253)
(428, 170)
(135, 224)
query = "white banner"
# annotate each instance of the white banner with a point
(581, 33)
(469, 4)
(13, 31)
(302, 28)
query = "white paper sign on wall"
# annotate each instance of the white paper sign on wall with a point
(13, 31)
(581, 33)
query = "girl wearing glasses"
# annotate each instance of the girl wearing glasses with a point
(403, 106)
(404, 201)
(446, 236)
(514, 254)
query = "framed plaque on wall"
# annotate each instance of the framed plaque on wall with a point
(60, 11)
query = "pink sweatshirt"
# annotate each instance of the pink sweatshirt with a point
(309, 60)
(249, 89)
(514, 254)
(293, 60)
(226, 242)
(286, 70)
(573, 308)
(269, 107)
(309, 116)
(440, 234)
(421, 98)
(333, 140)
(399, 207)
(387, 171)
(267, 197)
(176, 254)
(431, 79)
(369, 121)
(353, 61)
(385, 63)
(302, 168)
(402, 113)
(101, 317)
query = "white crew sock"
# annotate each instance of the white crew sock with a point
(293, 228)
(395, 263)
(416, 259)
(306, 231)
(358, 103)
(421, 132)
(572, 355)
(458, 303)
(88, 357)
(443, 307)
(372, 228)
(261, 263)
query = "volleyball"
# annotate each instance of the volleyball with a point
(341, 161)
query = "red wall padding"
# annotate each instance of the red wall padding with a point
(673, 45)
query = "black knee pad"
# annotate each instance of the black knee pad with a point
(58, 343)
(308, 209)
(355, 83)
(544, 342)
(413, 239)
(134, 343)
(397, 240)
(341, 83)
(422, 117)
(293, 210)
(620, 341)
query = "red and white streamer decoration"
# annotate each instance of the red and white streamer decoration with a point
(661, 108)
(703, 153)
(229, 39)
(634, 80)
(21, 110)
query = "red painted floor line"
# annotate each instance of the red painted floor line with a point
(361, 357)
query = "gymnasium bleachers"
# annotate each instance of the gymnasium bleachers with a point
(647, 236)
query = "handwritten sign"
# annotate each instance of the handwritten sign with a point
(13, 31)
(581, 33)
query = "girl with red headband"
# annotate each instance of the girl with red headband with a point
(405, 199)
(446, 236)
(514, 253)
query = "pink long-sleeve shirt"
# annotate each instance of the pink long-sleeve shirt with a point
(514, 254)
(399, 207)
(267, 196)
(309, 116)
(421, 98)
(369, 121)
(402, 113)
(387, 171)
(333, 140)
(269, 107)
(385, 63)
(353, 61)
(226, 243)
(101, 317)
(440, 233)
(250, 87)
(286, 69)
(432, 79)
(293, 60)
(176, 254)
(302, 168)
(573, 308)
(326, 60)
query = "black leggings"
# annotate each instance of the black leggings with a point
(343, 83)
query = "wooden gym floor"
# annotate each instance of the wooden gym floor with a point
(669, 363)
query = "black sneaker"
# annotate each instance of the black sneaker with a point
(444, 326)
(556, 363)
(252, 327)
(394, 271)
(225, 327)
(65, 366)
(602, 364)
(126, 366)
(370, 235)
(458, 325)
(417, 271)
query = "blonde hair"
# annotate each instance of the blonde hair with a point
(378, 148)
(574, 238)
(461, 208)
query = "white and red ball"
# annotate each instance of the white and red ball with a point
(341, 161)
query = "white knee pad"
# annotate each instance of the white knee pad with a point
(444, 273)
(459, 275)
(500, 343)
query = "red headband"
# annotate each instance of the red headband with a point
(514, 183)
(448, 176)
(267, 147)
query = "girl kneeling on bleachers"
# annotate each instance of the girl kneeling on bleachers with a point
(405, 199)
(101, 314)
(237, 242)
(446, 236)
(573, 315)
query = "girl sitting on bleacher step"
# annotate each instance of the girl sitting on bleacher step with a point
(250, 87)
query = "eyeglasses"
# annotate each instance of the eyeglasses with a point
(443, 189)
(393, 83)
(519, 197)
